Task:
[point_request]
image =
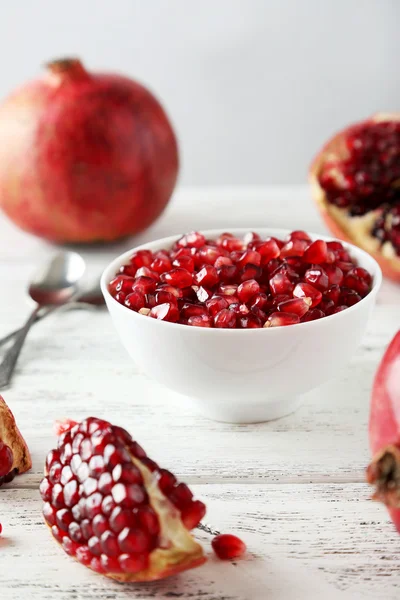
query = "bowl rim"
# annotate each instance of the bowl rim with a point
(111, 268)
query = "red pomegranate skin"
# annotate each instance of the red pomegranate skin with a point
(85, 156)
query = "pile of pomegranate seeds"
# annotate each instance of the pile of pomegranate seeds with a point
(241, 284)
(114, 509)
(367, 179)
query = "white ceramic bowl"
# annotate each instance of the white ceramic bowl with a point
(242, 376)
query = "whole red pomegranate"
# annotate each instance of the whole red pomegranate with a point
(384, 431)
(84, 156)
(356, 184)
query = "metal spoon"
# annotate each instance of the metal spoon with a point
(86, 299)
(53, 284)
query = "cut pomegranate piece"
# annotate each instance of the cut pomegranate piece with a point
(14, 454)
(355, 185)
(139, 532)
(280, 319)
(305, 290)
(384, 431)
(227, 546)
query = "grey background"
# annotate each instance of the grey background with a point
(253, 86)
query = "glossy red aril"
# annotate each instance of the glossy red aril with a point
(304, 290)
(232, 283)
(280, 319)
(355, 185)
(297, 306)
(119, 513)
(14, 454)
(227, 546)
(384, 431)
(178, 277)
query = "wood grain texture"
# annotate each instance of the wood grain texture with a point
(292, 488)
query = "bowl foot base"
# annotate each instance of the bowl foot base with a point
(250, 412)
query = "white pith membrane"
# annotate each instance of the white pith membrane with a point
(357, 229)
(11, 436)
(178, 551)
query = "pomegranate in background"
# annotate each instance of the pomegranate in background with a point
(84, 157)
(384, 431)
(356, 184)
(114, 509)
(14, 454)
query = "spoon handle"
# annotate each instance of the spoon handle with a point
(10, 359)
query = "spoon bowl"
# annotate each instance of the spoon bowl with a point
(55, 282)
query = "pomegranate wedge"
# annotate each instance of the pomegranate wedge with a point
(14, 454)
(114, 509)
(384, 431)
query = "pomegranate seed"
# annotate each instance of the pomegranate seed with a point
(192, 513)
(327, 306)
(146, 272)
(209, 255)
(225, 319)
(228, 289)
(268, 250)
(165, 312)
(135, 301)
(6, 459)
(317, 278)
(340, 308)
(250, 321)
(215, 304)
(281, 284)
(349, 297)
(227, 546)
(362, 274)
(192, 310)
(335, 275)
(250, 238)
(145, 285)
(192, 240)
(280, 319)
(121, 283)
(250, 271)
(356, 283)
(249, 257)
(120, 297)
(316, 253)
(129, 270)
(295, 247)
(170, 289)
(312, 315)
(132, 540)
(200, 321)
(229, 242)
(303, 290)
(178, 277)
(142, 258)
(344, 266)
(297, 306)
(133, 563)
(247, 290)
(223, 261)
(333, 293)
(184, 262)
(227, 273)
(260, 301)
(161, 263)
(207, 276)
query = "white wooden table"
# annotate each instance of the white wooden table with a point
(292, 489)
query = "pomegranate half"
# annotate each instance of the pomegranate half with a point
(355, 181)
(14, 453)
(114, 509)
(84, 156)
(384, 431)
